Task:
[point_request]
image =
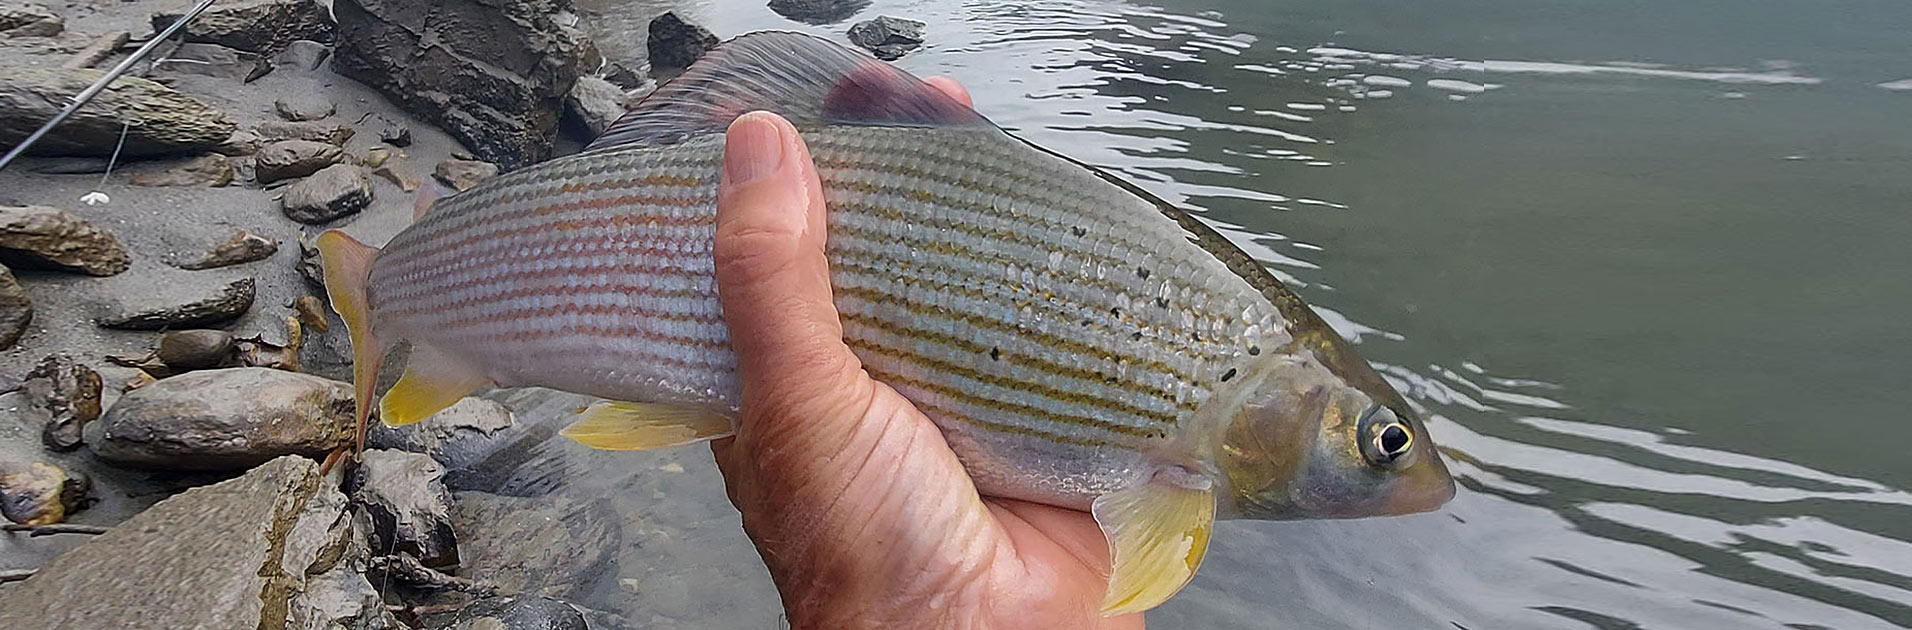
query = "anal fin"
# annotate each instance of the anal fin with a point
(1158, 532)
(627, 426)
(433, 381)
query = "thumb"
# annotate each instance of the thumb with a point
(772, 279)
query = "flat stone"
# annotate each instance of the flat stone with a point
(243, 247)
(404, 498)
(674, 43)
(271, 549)
(404, 181)
(50, 238)
(333, 192)
(303, 107)
(158, 120)
(287, 159)
(395, 133)
(213, 60)
(211, 170)
(889, 38)
(227, 419)
(333, 133)
(302, 55)
(818, 12)
(240, 143)
(29, 20)
(65, 395)
(204, 306)
(16, 309)
(261, 26)
(492, 74)
(464, 174)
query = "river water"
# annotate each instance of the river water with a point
(1644, 265)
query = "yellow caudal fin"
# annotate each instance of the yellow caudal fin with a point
(347, 264)
(627, 426)
(433, 381)
(1157, 534)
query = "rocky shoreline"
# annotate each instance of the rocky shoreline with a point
(170, 375)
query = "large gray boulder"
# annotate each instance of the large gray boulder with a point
(889, 38)
(818, 11)
(187, 305)
(492, 73)
(673, 43)
(227, 419)
(458, 437)
(158, 120)
(51, 238)
(332, 192)
(260, 26)
(271, 549)
(287, 159)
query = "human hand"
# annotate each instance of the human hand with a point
(861, 510)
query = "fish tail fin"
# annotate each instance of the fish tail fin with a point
(348, 267)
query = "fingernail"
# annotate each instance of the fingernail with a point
(752, 148)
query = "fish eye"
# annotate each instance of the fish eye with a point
(1388, 440)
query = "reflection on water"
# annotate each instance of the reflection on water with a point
(1642, 286)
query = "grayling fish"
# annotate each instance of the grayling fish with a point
(1079, 342)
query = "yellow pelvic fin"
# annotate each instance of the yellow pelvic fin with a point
(433, 381)
(627, 426)
(347, 265)
(1157, 534)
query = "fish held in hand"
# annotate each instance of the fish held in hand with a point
(1079, 342)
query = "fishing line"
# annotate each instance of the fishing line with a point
(99, 85)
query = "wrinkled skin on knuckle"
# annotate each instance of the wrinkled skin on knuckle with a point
(750, 253)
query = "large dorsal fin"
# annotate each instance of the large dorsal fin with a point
(806, 79)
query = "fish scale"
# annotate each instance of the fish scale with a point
(973, 301)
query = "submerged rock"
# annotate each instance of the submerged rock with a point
(457, 437)
(332, 133)
(158, 120)
(51, 238)
(492, 74)
(287, 159)
(403, 496)
(240, 143)
(29, 20)
(210, 305)
(547, 545)
(226, 419)
(212, 170)
(261, 26)
(463, 174)
(889, 38)
(333, 192)
(674, 43)
(16, 309)
(818, 12)
(65, 394)
(522, 612)
(243, 247)
(395, 133)
(271, 549)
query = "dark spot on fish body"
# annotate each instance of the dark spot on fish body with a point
(1161, 302)
(1228, 375)
(1254, 351)
(1142, 272)
(995, 354)
(1079, 231)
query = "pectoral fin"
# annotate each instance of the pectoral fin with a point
(1157, 534)
(627, 426)
(433, 381)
